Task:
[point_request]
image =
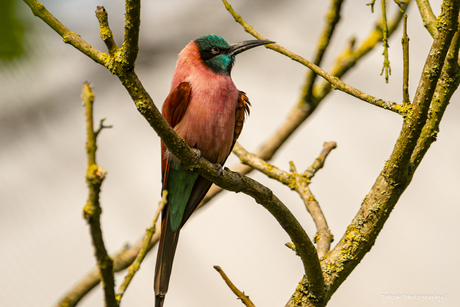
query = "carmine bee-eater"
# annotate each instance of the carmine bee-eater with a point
(207, 110)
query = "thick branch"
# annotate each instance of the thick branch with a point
(448, 83)
(130, 46)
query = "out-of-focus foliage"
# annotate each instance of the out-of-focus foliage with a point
(10, 31)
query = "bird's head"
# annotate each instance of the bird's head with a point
(218, 55)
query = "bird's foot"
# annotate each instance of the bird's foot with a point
(198, 155)
(218, 168)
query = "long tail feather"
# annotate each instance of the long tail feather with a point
(166, 251)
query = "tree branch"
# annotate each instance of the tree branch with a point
(332, 19)
(405, 47)
(323, 237)
(319, 162)
(448, 83)
(429, 19)
(106, 33)
(92, 210)
(130, 46)
(243, 297)
(386, 61)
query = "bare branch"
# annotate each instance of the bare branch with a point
(332, 19)
(130, 46)
(405, 47)
(319, 162)
(257, 163)
(429, 19)
(243, 297)
(386, 61)
(323, 237)
(92, 210)
(106, 33)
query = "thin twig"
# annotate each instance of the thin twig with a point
(371, 4)
(334, 81)
(92, 210)
(405, 47)
(243, 297)
(319, 162)
(262, 166)
(135, 266)
(386, 61)
(332, 19)
(324, 237)
(106, 33)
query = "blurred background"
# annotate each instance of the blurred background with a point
(45, 243)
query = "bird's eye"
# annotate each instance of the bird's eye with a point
(215, 50)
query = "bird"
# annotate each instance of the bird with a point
(205, 108)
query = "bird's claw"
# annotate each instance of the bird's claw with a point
(218, 168)
(198, 155)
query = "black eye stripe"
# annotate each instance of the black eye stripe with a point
(210, 53)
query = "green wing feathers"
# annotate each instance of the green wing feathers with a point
(179, 185)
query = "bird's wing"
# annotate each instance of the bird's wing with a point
(241, 111)
(173, 110)
(176, 103)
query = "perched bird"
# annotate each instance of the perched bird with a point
(207, 110)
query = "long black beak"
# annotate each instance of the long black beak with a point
(246, 45)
